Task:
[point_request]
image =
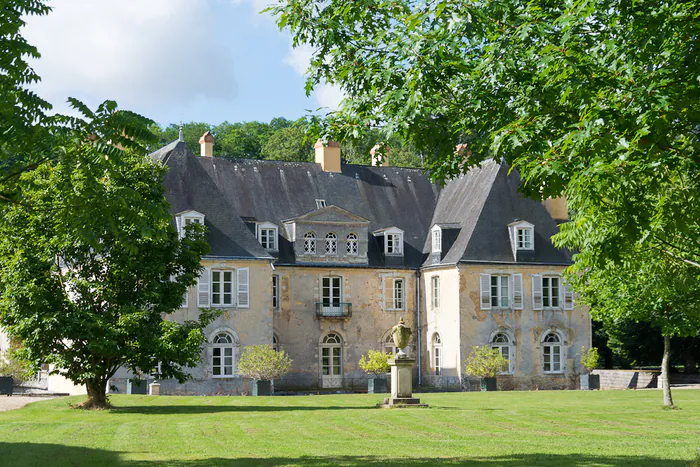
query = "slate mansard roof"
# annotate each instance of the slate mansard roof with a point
(474, 210)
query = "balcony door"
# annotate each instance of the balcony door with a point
(332, 361)
(332, 296)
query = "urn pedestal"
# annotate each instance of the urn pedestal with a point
(402, 384)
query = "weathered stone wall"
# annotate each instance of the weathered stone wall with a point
(627, 379)
(443, 320)
(300, 332)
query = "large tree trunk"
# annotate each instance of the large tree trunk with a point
(665, 367)
(97, 394)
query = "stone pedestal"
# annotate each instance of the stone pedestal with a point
(154, 389)
(402, 384)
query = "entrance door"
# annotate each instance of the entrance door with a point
(332, 362)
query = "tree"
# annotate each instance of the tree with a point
(578, 96)
(191, 133)
(289, 144)
(648, 287)
(263, 363)
(90, 263)
(376, 362)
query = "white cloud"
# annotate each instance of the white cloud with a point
(144, 54)
(326, 95)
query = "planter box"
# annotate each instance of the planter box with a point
(590, 382)
(6, 385)
(376, 386)
(489, 384)
(137, 386)
(262, 388)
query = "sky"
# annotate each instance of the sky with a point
(173, 60)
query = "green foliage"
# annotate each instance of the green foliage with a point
(262, 362)
(485, 362)
(376, 362)
(590, 359)
(594, 99)
(13, 363)
(90, 262)
(289, 144)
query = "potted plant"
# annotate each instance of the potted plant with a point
(376, 363)
(14, 369)
(485, 363)
(590, 360)
(263, 364)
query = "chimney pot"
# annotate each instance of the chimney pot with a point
(206, 143)
(328, 155)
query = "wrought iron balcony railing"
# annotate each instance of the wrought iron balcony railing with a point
(333, 310)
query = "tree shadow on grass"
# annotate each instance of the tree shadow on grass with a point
(202, 409)
(57, 455)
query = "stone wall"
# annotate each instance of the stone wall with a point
(627, 379)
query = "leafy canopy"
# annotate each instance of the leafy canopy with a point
(376, 362)
(263, 363)
(485, 362)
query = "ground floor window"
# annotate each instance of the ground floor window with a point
(437, 354)
(222, 356)
(552, 353)
(503, 344)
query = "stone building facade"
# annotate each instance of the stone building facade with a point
(322, 259)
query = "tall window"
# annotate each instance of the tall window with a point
(436, 291)
(502, 343)
(276, 343)
(331, 295)
(437, 354)
(389, 345)
(331, 353)
(331, 243)
(310, 243)
(394, 294)
(351, 246)
(550, 292)
(394, 243)
(437, 240)
(275, 292)
(551, 353)
(222, 356)
(221, 287)
(500, 296)
(524, 238)
(268, 238)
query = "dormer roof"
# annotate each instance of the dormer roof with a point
(329, 214)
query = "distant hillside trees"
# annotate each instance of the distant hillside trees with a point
(282, 140)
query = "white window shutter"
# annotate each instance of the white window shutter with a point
(178, 223)
(243, 288)
(517, 291)
(536, 292)
(485, 292)
(203, 288)
(384, 298)
(568, 295)
(185, 299)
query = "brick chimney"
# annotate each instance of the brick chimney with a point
(328, 156)
(206, 142)
(556, 207)
(374, 152)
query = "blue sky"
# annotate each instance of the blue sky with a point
(173, 60)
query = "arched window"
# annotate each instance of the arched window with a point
(504, 345)
(222, 356)
(437, 354)
(310, 243)
(331, 355)
(276, 343)
(331, 243)
(351, 245)
(389, 346)
(552, 353)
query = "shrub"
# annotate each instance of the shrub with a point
(590, 358)
(376, 362)
(262, 362)
(485, 362)
(12, 363)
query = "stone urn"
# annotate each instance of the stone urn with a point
(402, 335)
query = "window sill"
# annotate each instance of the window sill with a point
(552, 372)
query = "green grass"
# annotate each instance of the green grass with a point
(546, 428)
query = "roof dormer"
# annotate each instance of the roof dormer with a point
(267, 234)
(185, 218)
(522, 237)
(393, 240)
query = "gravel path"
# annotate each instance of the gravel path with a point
(17, 402)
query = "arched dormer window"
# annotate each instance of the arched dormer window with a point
(309, 243)
(331, 243)
(352, 245)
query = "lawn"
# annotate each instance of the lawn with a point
(546, 428)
